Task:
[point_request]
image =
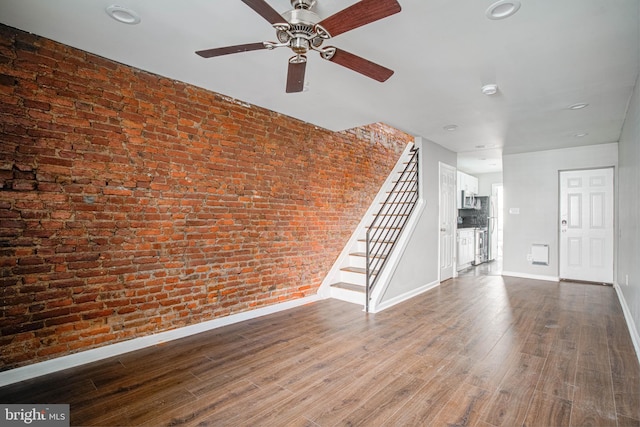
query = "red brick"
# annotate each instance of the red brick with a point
(48, 351)
(137, 204)
(62, 320)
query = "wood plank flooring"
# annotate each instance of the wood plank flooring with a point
(476, 351)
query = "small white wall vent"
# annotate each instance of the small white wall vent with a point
(539, 254)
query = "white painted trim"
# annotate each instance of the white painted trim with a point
(635, 337)
(404, 297)
(93, 355)
(531, 276)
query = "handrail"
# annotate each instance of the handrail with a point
(389, 222)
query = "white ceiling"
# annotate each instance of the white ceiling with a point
(549, 55)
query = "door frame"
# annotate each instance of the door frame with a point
(613, 219)
(499, 216)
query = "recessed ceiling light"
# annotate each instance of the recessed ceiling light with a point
(580, 135)
(578, 106)
(490, 89)
(450, 128)
(122, 14)
(502, 9)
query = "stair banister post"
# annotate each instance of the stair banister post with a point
(366, 294)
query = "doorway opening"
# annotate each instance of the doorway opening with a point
(494, 235)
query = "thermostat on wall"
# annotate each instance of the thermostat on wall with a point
(514, 211)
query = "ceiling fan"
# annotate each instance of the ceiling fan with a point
(302, 30)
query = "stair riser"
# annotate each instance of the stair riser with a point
(362, 246)
(357, 261)
(347, 295)
(355, 278)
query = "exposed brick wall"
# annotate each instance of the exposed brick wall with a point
(132, 204)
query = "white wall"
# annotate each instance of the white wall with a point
(628, 217)
(530, 183)
(486, 180)
(419, 265)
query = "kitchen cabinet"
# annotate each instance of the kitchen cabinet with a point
(466, 183)
(466, 247)
(472, 183)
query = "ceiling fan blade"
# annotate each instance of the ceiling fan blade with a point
(267, 12)
(359, 14)
(359, 65)
(295, 75)
(208, 53)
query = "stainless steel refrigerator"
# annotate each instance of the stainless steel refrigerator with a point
(492, 230)
(484, 218)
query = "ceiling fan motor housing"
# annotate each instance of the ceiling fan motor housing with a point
(301, 29)
(302, 4)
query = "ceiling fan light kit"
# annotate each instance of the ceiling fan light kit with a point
(302, 30)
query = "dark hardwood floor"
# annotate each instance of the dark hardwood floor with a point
(476, 351)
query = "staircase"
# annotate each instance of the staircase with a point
(375, 239)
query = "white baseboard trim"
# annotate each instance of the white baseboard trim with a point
(400, 298)
(531, 276)
(93, 355)
(635, 337)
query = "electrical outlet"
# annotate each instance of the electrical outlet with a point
(529, 257)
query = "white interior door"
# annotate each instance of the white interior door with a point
(586, 225)
(448, 216)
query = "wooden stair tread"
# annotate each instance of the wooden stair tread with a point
(358, 270)
(349, 286)
(364, 254)
(355, 270)
(388, 242)
(409, 202)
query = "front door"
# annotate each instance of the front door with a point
(586, 225)
(448, 216)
